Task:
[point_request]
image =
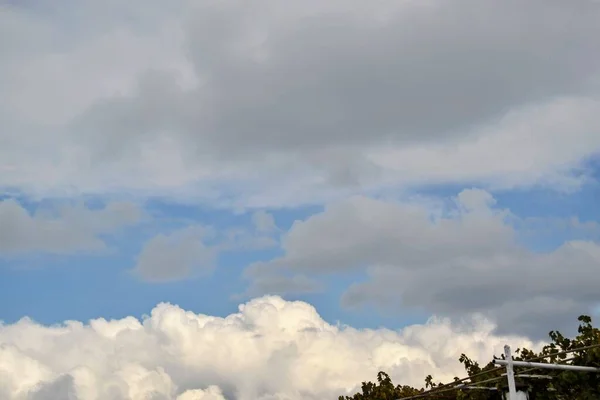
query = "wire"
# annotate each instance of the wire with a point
(437, 388)
(593, 346)
(452, 385)
(434, 391)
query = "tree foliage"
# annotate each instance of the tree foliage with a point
(563, 385)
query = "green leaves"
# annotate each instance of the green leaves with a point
(383, 390)
(564, 385)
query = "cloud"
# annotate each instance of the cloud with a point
(463, 259)
(262, 234)
(61, 230)
(263, 221)
(211, 393)
(280, 284)
(269, 105)
(271, 349)
(175, 256)
(193, 250)
(241, 239)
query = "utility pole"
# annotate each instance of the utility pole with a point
(510, 374)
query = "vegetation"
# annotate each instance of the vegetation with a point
(563, 385)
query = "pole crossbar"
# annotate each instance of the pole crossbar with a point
(547, 366)
(502, 364)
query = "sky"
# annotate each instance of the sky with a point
(208, 200)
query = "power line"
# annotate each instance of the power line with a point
(446, 387)
(593, 346)
(434, 391)
(565, 367)
(453, 385)
(437, 388)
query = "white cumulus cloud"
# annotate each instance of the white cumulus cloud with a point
(270, 349)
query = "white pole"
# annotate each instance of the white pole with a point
(510, 374)
(547, 366)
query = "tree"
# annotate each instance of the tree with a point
(569, 384)
(564, 385)
(384, 389)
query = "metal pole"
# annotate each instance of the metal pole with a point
(547, 366)
(510, 374)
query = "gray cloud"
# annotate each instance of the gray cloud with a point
(176, 256)
(424, 74)
(466, 260)
(285, 100)
(61, 388)
(277, 284)
(243, 239)
(264, 221)
(191, 251)
(64, 229)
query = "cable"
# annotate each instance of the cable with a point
(437, 388)
(433, 392)
(593, 346)
(446, 387)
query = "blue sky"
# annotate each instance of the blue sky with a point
(431, 173)
(44, 286)
(55, 288)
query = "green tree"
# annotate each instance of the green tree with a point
(563, 385)
(569, 385)
(384, 389)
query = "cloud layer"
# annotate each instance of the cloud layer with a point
(176, 256)
(272, 105)
(61, 229)
(454, 259)
(271, 349)
(346, 104)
